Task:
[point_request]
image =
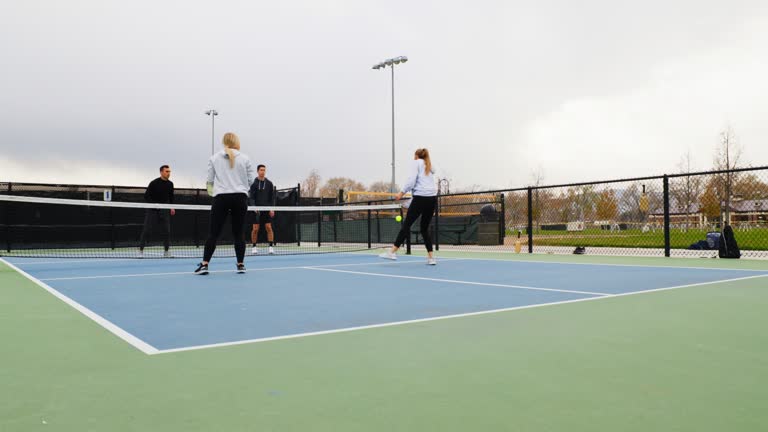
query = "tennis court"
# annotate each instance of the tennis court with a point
(348, 341)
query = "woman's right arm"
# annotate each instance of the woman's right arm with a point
(412, 175)
(210, 177)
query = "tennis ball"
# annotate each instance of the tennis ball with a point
(398, 218)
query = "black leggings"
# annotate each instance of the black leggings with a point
(423, 206)
(235, 204)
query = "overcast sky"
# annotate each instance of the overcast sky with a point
(99, 91)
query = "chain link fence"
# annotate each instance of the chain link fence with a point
(670, 215)
(679, 215)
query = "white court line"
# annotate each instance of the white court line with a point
(179, 259)
(451, 281)
(147, 349)
(228, 271)
(396, 323)
(66, 261)
(526, 261)
(117, 331)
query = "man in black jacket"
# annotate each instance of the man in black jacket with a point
(263, 194)
(160, 191)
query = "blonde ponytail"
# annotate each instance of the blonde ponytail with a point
(231, 141)
(424, 154)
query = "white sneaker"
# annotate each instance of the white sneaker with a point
(255, 250)
(141, 254)
(431, 261)
(271, 251)
(388, 255)
(167, 254)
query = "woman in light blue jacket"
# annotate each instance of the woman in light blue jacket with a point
(421, 182)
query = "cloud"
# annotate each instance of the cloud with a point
(645, 130)
(93, 172)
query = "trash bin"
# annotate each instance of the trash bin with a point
(488, 233)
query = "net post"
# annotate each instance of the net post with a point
(667, 247)
(298, 216)
(502, 220)
(112, 221)
(335, 221)
(197, 224)
(369, 226)
(407, 237)
(8, 220)
(530, 220)
(437, 223)
(319, 227)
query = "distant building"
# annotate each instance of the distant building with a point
(753, 212)
(743, 212)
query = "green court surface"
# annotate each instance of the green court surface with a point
(689, 359)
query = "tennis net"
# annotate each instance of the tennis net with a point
(68, 228)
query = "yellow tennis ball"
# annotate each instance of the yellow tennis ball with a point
(398, 218)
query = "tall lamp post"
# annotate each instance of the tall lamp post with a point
(444, 186)
(383, 65)
(213, 113)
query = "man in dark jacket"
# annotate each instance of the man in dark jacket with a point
(159, 191)
(263, 194)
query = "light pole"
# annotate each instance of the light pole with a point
(391, 63)
(213, 113)
(444, 186)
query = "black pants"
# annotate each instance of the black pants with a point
(235, 204)
(420, 206)
(156, 218)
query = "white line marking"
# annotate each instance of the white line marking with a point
(203, 207)
(117, 331)
(66, 261)
(599, 264)
(397, 323)
(25, 261)
(451, 281)
(225, 271)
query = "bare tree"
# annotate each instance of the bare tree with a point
(584, 198)
(311, 184)
(727, 157)
(381, 186)
(686, 191)
(606, 207)
(539, 196)
(331, 188)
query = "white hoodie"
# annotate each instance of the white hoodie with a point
(228, 180)
(420, 183)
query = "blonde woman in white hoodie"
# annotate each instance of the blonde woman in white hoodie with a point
(230, 174)
(421, 182)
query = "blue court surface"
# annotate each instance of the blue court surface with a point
(161, 306)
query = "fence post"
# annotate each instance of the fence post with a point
(502, 221)
(530, 220)
(666, 217)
